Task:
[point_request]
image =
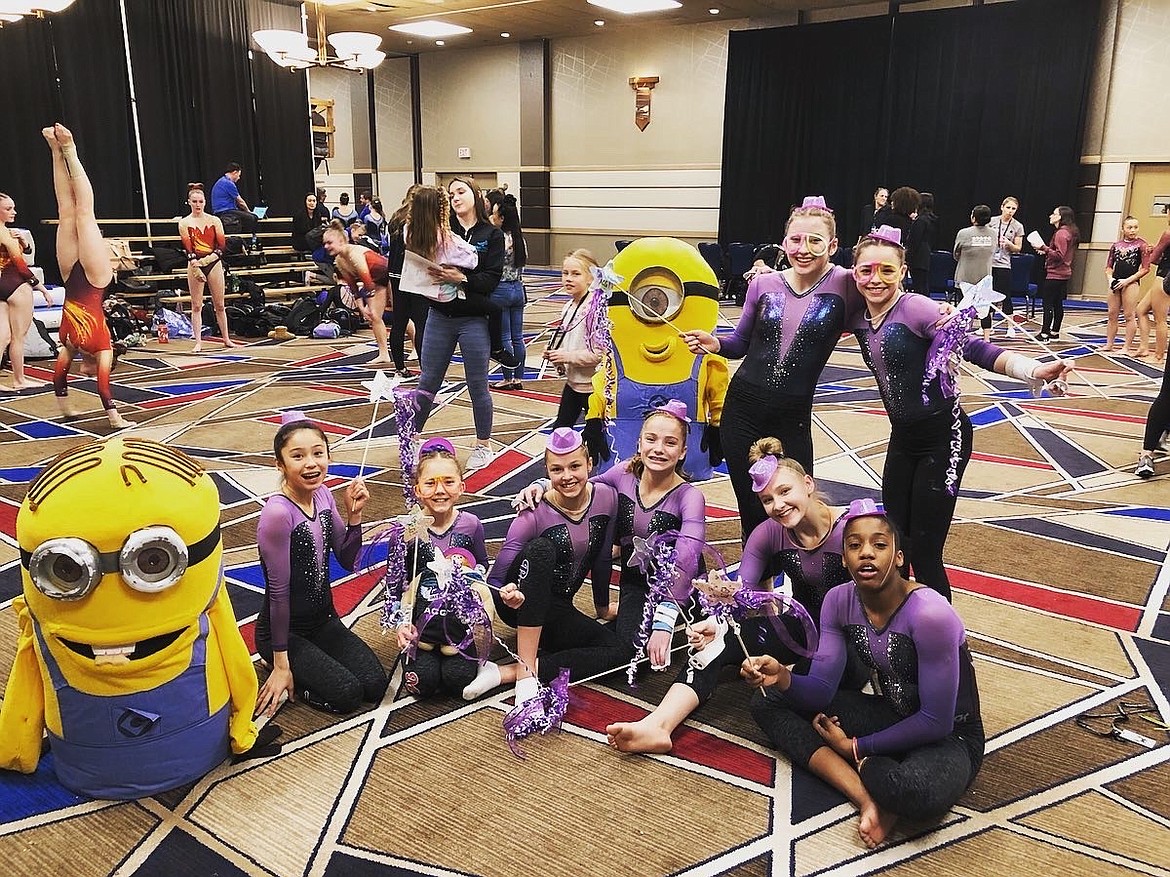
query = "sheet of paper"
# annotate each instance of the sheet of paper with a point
(1035, 240)
(416, 278)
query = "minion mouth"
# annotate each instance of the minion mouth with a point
(121, 654)
(658, 354)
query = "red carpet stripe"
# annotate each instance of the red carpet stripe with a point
(1076, 606)
(333, 354)
(503, 465)
(593, 710)
(169, 401)
(8, 518)
(714, 511)
(1086, 412)
(1013, 461)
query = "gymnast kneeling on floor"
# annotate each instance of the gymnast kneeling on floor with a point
(913, 749)
(548, 553)
(437, 663)
(313, 655)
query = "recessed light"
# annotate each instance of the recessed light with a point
(599, 22)
(632, 7)
(440, 42)
(713, 11)
(430, 28)
(505, 34)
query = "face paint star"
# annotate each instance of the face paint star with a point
(979, 296)
(382, 386)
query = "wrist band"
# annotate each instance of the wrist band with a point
(856, 760)
(191, 257)
(665, 615)
(1020, 367)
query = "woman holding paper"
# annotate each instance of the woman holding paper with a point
(1058, 260)
(367, 273)
(461, 321)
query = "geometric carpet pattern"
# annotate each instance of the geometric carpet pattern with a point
(1058, 563)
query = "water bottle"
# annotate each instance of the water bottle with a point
(160, 326)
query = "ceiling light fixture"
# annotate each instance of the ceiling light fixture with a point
(12, 10)
(440, 42)
(633, 7)
(599, 23)
(290, 48)
(505, 34)
(430, 28)
(713, 11)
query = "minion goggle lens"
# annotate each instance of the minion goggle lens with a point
(150, 560)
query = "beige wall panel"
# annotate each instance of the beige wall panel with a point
(679, 177)
(593, 105)
(602, 195)
(471, 98)
(1136, 118)
(636, 220)
(392, 108)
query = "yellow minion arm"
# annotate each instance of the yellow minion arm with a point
(22, 716)
(241, 674)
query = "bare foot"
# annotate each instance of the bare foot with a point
(380, 361)
(29, 384)
(1141, 354)
(64, 135)
(197, 348)
(876, 825)
(117, 421)
(228, 342)
(50, 135)
(1108, 348)
(640, 736)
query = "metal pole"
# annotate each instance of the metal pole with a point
(134, 118)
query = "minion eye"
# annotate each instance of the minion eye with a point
(656, 300)
(65, 568)
(153, 559)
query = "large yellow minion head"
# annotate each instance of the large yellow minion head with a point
(120, 548)
(667, 288)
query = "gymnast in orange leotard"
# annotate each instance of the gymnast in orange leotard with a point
(17, 283)
(204, 241)
(85, 268)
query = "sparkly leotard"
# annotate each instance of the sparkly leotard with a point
(682, 509)
(922, 663)
(786, 338)
(294, 555)
(812, 571)
(583, 545)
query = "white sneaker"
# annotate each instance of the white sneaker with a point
(481, 455)
(1164, 442)
(1011, 328)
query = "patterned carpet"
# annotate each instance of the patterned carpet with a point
(1057, 554)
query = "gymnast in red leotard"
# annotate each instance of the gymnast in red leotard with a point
(16, 300)
(203, 239)
(85, 268)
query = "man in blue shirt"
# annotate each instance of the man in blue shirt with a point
(226, 202)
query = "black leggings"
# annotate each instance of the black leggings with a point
(915, 493)
(431, 671)
(1158, 420)
(571, 407)
(568, 637)
(1053, 293)
(921, 784)
(332, 668)
(750, 413)
(407, 306)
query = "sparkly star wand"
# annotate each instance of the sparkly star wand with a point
(380, 387)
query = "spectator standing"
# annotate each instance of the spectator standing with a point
(869, 211)
(1009, 240)
(974, 246)
(920, 243)
(1058, 261)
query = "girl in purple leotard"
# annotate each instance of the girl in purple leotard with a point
(790, 324)
(898, 334)
(549, 551)
(911, 750)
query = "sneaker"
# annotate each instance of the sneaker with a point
(406, 375)
(506, 385)
(506, 358)
(1011, 328)
(481, 455)
(1164, 442)
(1145, 467)
(1043, 336)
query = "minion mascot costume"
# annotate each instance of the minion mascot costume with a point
(128, 651)
(667, 288)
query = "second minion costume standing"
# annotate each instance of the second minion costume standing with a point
(666, 288)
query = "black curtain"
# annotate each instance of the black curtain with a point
(971, 104)
(195, 84)
(67, 68)
(803, 117)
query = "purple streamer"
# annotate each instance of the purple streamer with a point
(745, 603)
(394, 579)
(946, 354)
(663, 570)
(405, 409)
(542, 714)
(457, 598)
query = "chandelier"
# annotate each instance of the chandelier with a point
(14, 10)
(353, 50)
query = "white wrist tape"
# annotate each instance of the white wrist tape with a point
(1020, 367)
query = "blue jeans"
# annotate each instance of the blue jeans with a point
(443, 334)
(509, 295)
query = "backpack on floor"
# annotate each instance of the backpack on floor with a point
(304, 314)
(347, 319)
(249, 321)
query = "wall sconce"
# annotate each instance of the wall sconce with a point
(642, 86)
